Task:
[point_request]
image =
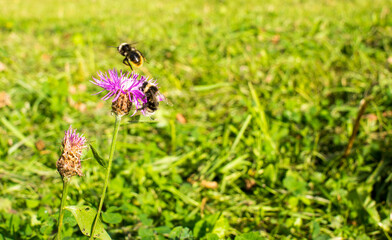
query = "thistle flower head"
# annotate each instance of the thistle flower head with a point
(68, 164)
(123, 87)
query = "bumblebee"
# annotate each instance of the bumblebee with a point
(131, 54)
(151, 93)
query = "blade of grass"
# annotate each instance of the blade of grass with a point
(233, 147)
(17, 133)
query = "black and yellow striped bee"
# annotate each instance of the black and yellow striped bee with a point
(152, 95)
(131, 54)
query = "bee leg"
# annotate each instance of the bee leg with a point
(126, 62)
(129, 64)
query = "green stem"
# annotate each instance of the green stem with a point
(63, 199)
(112, 148)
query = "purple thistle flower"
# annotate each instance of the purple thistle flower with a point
(69, 164)
(127, 90)
(73, 140)
(121, 83)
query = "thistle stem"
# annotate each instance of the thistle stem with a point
(112, 148)
(63, 199)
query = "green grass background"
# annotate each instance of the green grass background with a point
(269, 90)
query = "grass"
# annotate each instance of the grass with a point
(269, 90)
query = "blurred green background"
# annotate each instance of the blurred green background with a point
(264, 94)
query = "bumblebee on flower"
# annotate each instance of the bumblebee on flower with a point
(128, 89)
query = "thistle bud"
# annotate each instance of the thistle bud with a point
(68, 164)
(122, 105)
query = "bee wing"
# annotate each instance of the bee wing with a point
(144, 58)
(169, 103)
(162, 98)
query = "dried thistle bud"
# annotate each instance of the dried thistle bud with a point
(69, 164)
(122, 105)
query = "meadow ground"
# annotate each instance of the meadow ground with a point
(264, 94)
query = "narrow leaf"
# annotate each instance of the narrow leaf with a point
(85, 216)
(97, 157)
(241, 133)
(25, 140)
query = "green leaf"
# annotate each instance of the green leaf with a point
(270, 173)
(5, 204)
(316, 229)
(206, 225)
(69, 219)
(294, 183)
(146, 233)
(28, 231)
(110, 217)
(47, 226)
(97, 157)
(145, 220)
(222, 227)
(162, 229)
(181, 233)
(212, 236)
(249, 236)
(32, 203)
(42, 214)
(389, 196)
(85, 216)
(200, 228)
(14, 223)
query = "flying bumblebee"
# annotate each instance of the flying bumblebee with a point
(131, 54)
